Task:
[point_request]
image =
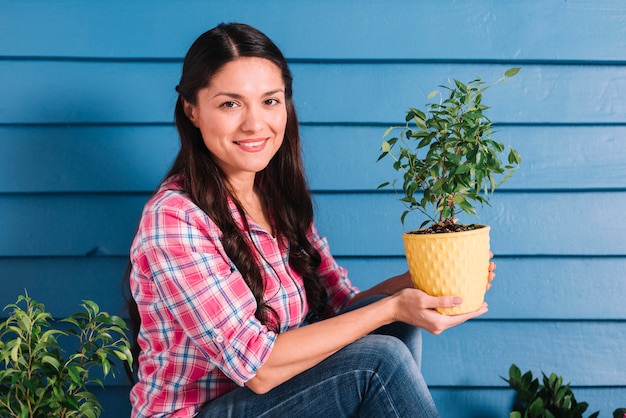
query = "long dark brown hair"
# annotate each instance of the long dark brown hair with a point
(283, 181)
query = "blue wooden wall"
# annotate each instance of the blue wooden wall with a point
(86, 103)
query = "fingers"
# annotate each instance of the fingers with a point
(444, 322)
(491, 275)
(418, 308)
(447, 301)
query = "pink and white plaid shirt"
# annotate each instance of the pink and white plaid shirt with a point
(199, 337)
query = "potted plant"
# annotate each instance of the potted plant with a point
(37, 379)
(550, 399)
(449, 161)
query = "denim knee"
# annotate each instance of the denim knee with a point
(395, 386)
(383, 352)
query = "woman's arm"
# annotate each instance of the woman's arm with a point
(299, 349)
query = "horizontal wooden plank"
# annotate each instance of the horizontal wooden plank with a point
(478, 352)
(114, 158)
(553, 157)
(591, 288)
(47, 159)
(526, 288)
(65, 92)
(360, 224)
(62, 283)
(489, 29)
(497, 403)
(143, 92)
(68, 225)
(115, 400)
(522, 223)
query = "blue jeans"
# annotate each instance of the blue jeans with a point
(376, 376)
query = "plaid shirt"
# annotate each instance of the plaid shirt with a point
(199, 337)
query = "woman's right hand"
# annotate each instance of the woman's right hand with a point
(415, 307)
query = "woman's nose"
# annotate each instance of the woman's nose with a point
(252, 119)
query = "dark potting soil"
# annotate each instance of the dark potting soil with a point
(444, 228)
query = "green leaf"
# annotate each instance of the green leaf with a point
(24, 413)
(106, 367)
(391, 128)
(91, 306)
(51, 361)
(537, 408)
(15, 351)
(512, 71)
(514, 157)
(462, 169)
(76, 374)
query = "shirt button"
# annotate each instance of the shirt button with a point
(219, 339)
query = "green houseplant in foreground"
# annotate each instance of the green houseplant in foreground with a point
(552, 399)
(37, 379)
(449, 162)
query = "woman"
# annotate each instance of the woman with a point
(237, 293)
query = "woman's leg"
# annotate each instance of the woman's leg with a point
(375, 376)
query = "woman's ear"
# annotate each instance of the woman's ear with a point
(190, 111)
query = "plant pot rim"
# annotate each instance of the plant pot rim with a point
(481, 228)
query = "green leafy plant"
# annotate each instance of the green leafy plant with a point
(552, 399)
(448, 154)
(37, 379)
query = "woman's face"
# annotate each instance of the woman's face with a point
(242, 116)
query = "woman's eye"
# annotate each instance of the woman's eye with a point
(271, 102)
(229, 105)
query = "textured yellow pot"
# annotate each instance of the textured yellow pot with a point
(450, 264)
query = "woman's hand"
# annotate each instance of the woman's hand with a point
(415, 307)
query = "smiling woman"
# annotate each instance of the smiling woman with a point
(242, 115)
(241, 309)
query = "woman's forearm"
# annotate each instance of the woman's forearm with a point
(299, 349)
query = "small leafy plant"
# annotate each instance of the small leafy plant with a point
(448, 154)
(37, 379)
(552, 399)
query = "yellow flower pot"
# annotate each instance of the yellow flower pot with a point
(451, 264)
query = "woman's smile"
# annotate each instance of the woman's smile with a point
(252, 145)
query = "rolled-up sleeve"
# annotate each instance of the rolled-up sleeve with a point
(203, 291)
